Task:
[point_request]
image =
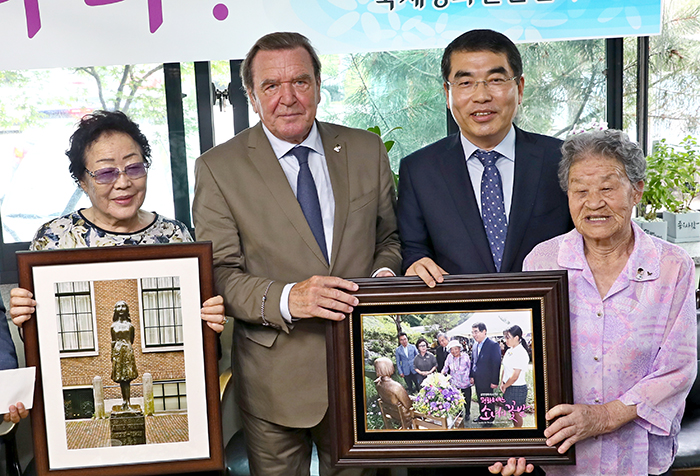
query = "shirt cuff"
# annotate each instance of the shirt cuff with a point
(374, 275)
(284, 303)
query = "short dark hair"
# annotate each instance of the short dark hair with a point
(479, 325)
(422, 339)
(482, 40)
(280, 40)
(403, 334)
(91, 127)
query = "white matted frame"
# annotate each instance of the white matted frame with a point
(202, 450)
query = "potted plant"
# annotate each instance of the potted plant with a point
(657, 196)
(670, 186)
(682, 164)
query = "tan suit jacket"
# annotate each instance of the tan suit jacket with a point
(243, 203)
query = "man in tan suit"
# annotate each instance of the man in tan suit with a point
(290, 204)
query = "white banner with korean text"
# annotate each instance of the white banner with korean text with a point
(52, 33)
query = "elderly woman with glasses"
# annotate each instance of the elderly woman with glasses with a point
(632, 319)
(109, 159)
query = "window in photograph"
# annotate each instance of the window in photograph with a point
(170, 395)
(162, 314)
(76, 329)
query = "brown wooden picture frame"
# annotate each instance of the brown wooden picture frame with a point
(545, 292)
(192, 263)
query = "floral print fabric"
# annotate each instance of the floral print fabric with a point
(75, 231)
(636, 345)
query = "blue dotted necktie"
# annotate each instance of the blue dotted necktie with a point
(307, 195)
(492, 209)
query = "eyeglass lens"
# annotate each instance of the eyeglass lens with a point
(111, 174)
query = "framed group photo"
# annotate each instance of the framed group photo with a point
(446, 415)
(127, 377)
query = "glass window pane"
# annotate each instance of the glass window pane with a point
(565, 86)
(152, 336)
(150, 317)
(387, 89)
(167, 335)
(40, 110)
(170, 388)
(674, 74)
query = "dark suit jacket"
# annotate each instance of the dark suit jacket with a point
(487, 364)
(8, 357)
(439, 217)
(243, 203)
(441, 353)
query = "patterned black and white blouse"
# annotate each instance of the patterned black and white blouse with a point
(76, 231)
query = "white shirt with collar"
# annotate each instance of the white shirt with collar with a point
(505, 165)
(322, 179)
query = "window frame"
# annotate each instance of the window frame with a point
(167, 347)
(70, 353)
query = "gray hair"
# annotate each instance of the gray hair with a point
(441, 334)
(275, 42)
(609, 143)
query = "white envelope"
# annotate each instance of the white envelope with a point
(16, 385)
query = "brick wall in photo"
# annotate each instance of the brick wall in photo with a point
(80, 371)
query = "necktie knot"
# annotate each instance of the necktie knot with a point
(301, 152)
(487, 158)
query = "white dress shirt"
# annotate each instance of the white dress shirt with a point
(505, 165)
(322, 179)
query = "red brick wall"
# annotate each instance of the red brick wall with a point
(77, 371)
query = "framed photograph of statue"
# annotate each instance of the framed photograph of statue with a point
(127, 378)
(461, 374)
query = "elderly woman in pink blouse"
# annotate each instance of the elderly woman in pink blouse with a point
(632, 317)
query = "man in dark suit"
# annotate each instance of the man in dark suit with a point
(480, 200)
(442, 351)
(486, 363)
(289, 205)
(405, 355)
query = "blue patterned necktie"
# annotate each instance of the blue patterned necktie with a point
(493, 212)
(307, 195)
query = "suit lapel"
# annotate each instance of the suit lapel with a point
(454, 170)
(334, 147)
(528, 168)
(263, 159)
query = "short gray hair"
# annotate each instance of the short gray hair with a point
(282, 40)
(609, 143)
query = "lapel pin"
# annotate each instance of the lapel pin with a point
(337, 148)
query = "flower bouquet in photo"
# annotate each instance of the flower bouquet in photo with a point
(438, 401)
